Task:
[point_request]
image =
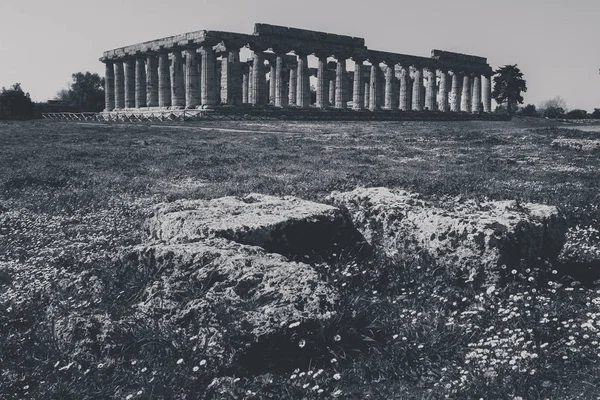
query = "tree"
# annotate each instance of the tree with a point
(577, 114)
(554, 108)
(596, 113)
(528, 111)
(86, 92)
(15, 103)
(508, 86)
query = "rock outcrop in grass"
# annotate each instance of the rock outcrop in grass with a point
(472, 240)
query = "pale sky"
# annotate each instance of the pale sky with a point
(556, 43)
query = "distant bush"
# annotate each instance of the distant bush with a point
(15, 104)
(554, 112)
(596, 113)
(577, 114)
(528, 111)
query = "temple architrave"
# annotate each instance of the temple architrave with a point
(203, 70)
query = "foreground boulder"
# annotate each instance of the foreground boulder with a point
(473, 240)
(580, 256)
(285, 225)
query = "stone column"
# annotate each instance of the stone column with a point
(322, 83)
(367, 93)
(303, 84)
(465, 104)
(340, 87)
(230, 77)
(245, 85)
(476, 94)
(331, 77)
(431, 91)
(129, 66)
(164, 81)
(443, 96)
(272, 81)
(109, 90)
(192, 81)
(151, 81)
(389, 85)
(177, 81)
(119, 85)
(358, 98)
(258, 78)
(416, 92)
(374, 96)
(292, 85)
(456, 92)
(279, 80)
(250, 83)
(140, 82)
(487, 93)
(208, 77)
(381, 87)
(404, 89)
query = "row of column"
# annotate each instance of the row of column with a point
(191, 79)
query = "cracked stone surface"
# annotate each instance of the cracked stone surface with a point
(471, 239)
(285, 225)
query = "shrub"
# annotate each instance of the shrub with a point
(15, 104)
(577, 114)
(596, 113)
(528, 111)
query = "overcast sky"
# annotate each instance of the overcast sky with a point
(556, 43)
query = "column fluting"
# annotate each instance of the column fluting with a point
(208, 77)
(129, 78)
(109, 90)
(358, 97)
(416, 90)
(465, 104)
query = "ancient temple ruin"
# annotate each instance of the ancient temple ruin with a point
(202, 70)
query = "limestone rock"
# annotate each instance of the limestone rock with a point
(285, 225)
(224, 289)
(580, 255)
(472, 240)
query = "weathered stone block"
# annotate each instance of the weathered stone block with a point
(472, 240)
(285, 225)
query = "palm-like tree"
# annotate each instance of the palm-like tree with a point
(508, 86)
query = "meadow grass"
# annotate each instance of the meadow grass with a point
(74, 195)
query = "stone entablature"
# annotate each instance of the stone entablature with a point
(202, 69)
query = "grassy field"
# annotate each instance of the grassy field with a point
(73, 195)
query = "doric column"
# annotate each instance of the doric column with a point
(109, 89)
(251, 82)
(177, 81)
(272, 81)
(129, 66)
(340, 86)
(208, 85)
(404, 89)
(119, 85)
(476, 103)
(331, 77)
(303, 84)
(151, 81)
(258, 78)
(358, 98)
(140, 82)
(431, 92)
(417, 104)
(245, 81)
(487, 93)
(456, 92)
(381, 86)
(389, 85)
(367, 93)
(280, 100)
(374, 96)
(164, 81)
(230, 77)
(322, 83)
(192, 79)
(465, 104)
(443, 95)
(292, 85)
